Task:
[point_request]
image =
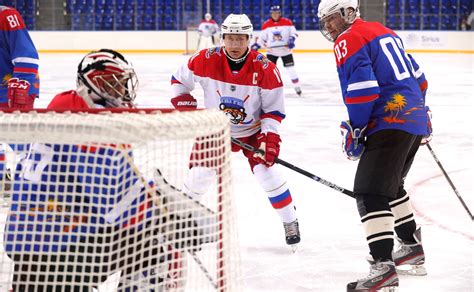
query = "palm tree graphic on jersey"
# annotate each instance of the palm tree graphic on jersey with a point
(395, 107)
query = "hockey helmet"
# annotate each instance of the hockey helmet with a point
(275, 8)
(328, 8)
(207, 16)
(237, 24)
(107, 78)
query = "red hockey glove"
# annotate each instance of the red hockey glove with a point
(184, 102)
(270, 144)
(427, 138)
(18, 96)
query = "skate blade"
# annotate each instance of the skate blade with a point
(293, 247)
(388, 289)
(412, 270)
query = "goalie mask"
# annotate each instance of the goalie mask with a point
(107, 79)
(335, 16)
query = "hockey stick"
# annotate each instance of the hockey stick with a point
(203, 269)
(296, 168)
(449, 181)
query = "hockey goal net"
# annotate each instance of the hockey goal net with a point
(192, 39)
(96, 202)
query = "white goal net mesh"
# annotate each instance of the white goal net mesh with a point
(100, 201)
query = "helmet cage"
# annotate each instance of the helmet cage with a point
(111, 81)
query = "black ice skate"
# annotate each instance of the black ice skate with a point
(292, 233)
(298, 91)
(382, 277)
(410, 257)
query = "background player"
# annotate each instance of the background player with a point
(248, 89)
(19, 79)
(207, 30)
(384, 90)
(278, 36)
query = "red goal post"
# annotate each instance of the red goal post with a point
(97, 193)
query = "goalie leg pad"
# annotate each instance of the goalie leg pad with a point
(199, 181)
(277, 191)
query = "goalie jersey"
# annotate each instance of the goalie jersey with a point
(382, 86)
(252, 98)
(61, 192)
(18, 55)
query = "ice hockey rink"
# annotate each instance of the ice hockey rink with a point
(333, 249)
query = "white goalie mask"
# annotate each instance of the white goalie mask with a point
(237, 24)
(107, 79)
(208, 16)
(327, 10)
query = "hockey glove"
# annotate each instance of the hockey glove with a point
(427, 138)
(184, 102)
(269, 143)
(18, 96)
(255, 47)
(291, 42)
(352, 140)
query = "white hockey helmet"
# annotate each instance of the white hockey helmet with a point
(237, 24)
(329, 7)
(106, 77)
(207, 16)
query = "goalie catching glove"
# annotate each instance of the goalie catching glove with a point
(18, 96)
(352, 140)
(184, 102)
(269, 146)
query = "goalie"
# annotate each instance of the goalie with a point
(208, 33)
(80, 213)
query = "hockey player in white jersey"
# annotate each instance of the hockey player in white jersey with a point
(207, 30)
(278, 36)
(249, 90)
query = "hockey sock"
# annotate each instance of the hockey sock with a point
(293, 76)
(277, 190)
(378, 223)
(405, 224)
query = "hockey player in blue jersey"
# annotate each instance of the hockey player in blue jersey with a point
(19, 81)
(82, 212)
(384, 90)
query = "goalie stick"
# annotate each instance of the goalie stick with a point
(449, 181)
(297, 169)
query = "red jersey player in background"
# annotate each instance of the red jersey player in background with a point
(278, 36)
(248, 88)
(384, 91)
(19, 79)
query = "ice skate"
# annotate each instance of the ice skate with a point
(292, 234)
(298, 91)
(410, 257)
(382, 277)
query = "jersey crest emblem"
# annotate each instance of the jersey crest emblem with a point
(277, 36)
(234, 109)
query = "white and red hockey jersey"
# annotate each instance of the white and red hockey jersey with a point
(252, 98)
(275, 34)
(208, 28)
